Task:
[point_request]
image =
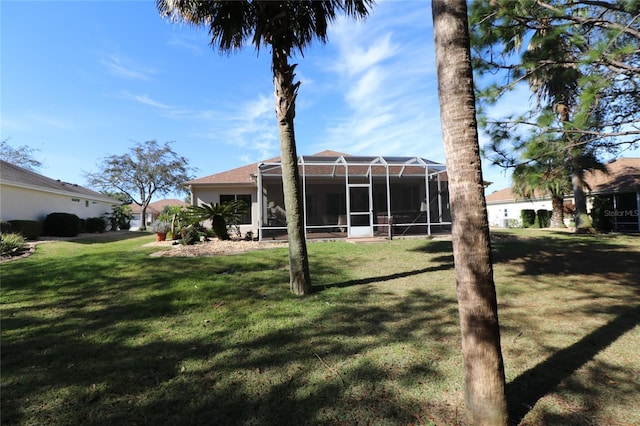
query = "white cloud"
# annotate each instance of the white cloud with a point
(388, 85)
(249, 126)
(144, 99)
(186, 42)
(125, 68)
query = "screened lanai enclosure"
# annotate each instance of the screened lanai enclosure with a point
(358, 196)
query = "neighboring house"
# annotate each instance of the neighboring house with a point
(153, 211)
(343, 195)
(621, 183)
(504, 207)
(26, 195)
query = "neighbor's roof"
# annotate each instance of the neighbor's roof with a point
(623, 176)
(322, 163)
(158, 206)
(13, 175)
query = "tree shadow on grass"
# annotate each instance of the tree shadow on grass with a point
(314, 374)
(102, 352)
(380, 279)
(542, 256)
(524, 391)
(99, 238)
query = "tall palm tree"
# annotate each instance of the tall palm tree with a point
(477, 304)
(286, 27)
(553, 74)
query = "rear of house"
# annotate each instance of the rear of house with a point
(343, 196)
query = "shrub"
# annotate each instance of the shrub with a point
(119, 217)
(160, 227)
(601, 221)
(62, 225)
(544, 218)
(190, 235)
(512, 223)
(29, 229)
(528, 217)
(96, 224)
(11, 243)
(5, 227)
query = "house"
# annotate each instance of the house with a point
(621, 188)
(27, 195)
(153, 210)
(621, 185)
(343, 195)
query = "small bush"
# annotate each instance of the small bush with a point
(543, 218)
(29, 229)
(62, 225)
(601, 221)
(512, 223)
(160, 226)
(5, 227)
(11, 243)
(528, 217)
(190, 235)
(96, 224)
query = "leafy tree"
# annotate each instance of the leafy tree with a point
(119, 217)
(221, 216)
(118, 196)
(148, 169)
(21, 156)
(581, 61)
(477, 303)
(286, 27)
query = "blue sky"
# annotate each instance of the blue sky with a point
(82, 80)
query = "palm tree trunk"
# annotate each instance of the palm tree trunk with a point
(583, 221)
(477, 305)
(557, 211)
(285, 94)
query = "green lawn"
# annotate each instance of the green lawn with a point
(99, 332)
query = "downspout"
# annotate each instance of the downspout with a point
(439, 199)
(638, 208)
(304, 195)
(428, 200)
(615, 209)
(389, 220)
(260, 197)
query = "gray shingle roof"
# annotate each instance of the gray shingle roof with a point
(14, 175)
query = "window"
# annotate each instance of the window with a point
(246, 198)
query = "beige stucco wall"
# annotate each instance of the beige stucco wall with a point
(31, 204)
(212, 195)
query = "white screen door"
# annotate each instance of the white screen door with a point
(360, 213)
